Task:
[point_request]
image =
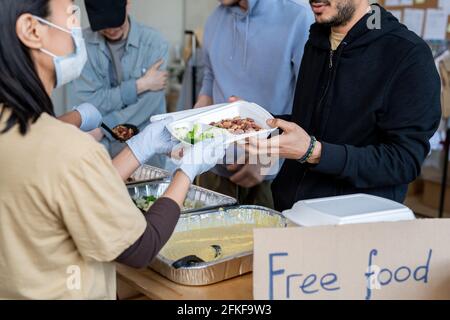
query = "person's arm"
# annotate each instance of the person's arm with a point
(151, 86)
(285, 117)
(73, 118)
(300, 38)
(153, 80)
(154, 139)
(205, 97)
(161, 221)
(179, 188)
(411, 118)
(106, 225)
(204, 101)
(164, 214)
(304, 23)
(84, 116)
(90, 87)
(126, 163)
(87, 118)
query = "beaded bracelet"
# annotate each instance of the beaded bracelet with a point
(310, 152)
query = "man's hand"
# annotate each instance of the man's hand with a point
(233, 99)
(292, 144)
(154, 79)
(246, 176)
(203, 101)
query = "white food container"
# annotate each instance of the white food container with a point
(241, 109)
(185, 113)
(351, 209)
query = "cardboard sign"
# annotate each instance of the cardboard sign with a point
(400, 260)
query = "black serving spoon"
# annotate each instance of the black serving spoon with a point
(192, 261)
(186, 262)
(115, 136)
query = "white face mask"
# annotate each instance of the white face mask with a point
(68, 68)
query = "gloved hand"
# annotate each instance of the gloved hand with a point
(202, 157)
(91, 118)
(155, 139)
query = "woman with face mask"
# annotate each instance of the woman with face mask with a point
(86, 116)
(65, 213)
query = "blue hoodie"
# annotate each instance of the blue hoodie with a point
(256, 54)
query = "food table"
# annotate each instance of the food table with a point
(156, 287)
(217, 211)
(147, 182)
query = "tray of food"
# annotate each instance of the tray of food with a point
(236, 121)
(148, 173)
(198, 199)
(212, 246)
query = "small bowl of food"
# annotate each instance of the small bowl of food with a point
(125, 132)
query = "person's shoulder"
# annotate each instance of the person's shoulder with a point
(213, 22)
(296, 10)
(408, 37)
(66, 142)
(213, 18)
(149, 35)
(296, 5)
(90, 36)
(407, 40)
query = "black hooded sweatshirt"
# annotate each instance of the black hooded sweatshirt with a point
(374, 104)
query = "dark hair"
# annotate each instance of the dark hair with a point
(21, 89)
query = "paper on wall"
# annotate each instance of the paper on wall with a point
(398, 3)
(445, 5)
(392, 3)
(413, 19)
(436, 25)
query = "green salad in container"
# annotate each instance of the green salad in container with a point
(197, 134)
(144, 203)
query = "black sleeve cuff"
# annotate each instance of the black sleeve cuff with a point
(332, 160)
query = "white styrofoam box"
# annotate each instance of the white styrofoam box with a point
(351, 209)
(185, 113)
(241, 109)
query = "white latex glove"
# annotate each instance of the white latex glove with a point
(91, 118)
(202, 157)
(155, 139)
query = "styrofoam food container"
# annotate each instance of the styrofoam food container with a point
(241, 109)
(351, 209)
(185, 113)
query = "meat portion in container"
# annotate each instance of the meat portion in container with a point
(238, 125)
(124, 133)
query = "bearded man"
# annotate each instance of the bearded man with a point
(367, 102)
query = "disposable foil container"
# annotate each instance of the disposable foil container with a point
(203, 199)
(207, 273)
(147, 174)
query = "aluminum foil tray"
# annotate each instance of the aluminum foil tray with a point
(148, 174)
(198, 199)
(207, 273)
